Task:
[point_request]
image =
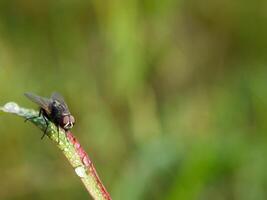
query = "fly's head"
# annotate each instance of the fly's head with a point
(67, 122)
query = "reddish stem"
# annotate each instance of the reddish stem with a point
(88, 163)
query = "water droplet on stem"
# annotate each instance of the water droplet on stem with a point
(11, 107)
(80, 171)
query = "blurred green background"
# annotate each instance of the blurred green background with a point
(169, 96)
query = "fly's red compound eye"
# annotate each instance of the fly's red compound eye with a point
(65, 120)
(72, 120)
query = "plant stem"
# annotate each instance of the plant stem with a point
(70, 147)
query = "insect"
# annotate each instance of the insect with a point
(53, 109)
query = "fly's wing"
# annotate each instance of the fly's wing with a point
(41, 101)
(57, 97)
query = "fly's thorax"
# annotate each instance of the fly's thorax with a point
(58, 110)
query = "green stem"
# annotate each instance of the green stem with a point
(70, 147)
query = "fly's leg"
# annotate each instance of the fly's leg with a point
(29, 118)
(53, 119)
(39, 115)
(58, 134)
(46, 122)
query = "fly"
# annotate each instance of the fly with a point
(53, 109)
